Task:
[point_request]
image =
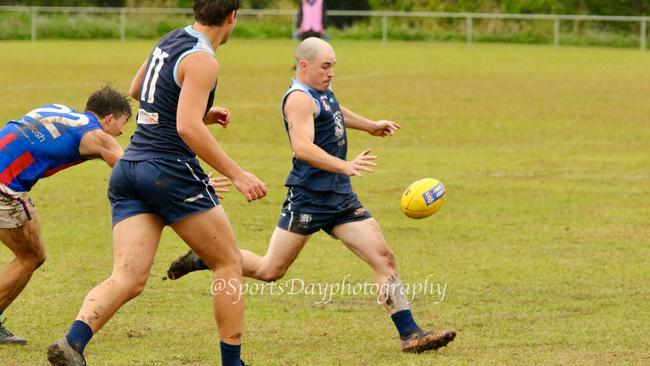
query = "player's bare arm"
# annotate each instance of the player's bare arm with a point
(136, 83)
(299, 110)
(376, 128)
(197, 73)
(99, 144)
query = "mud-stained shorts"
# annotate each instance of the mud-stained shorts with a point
(305, 211)
(16, 208)
(171, 189)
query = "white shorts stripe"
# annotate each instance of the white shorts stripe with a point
(289, 207)
(197, 178)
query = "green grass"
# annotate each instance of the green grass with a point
(543, 242)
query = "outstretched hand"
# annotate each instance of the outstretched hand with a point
(217, 115)
(384, 128)
(361, 163)
(220, 185)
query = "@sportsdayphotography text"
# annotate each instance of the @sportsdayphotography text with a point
(326, 292)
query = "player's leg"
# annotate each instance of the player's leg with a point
(283, 250)
(210, 235)
(25, 242)
(294, 229)
(20, 232)
(135, 241)
(366, 240)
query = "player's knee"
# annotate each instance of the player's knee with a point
(128, 286)
(133, 288)
(231, 259)
(387, 261)
(39, 260)
(33, 259)
(272, 274)
(137, 289)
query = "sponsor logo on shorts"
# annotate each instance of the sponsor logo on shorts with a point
(304, 219)
(359, 211)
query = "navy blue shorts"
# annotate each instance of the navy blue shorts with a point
(171, 189)
(305, 211)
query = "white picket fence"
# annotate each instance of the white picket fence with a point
(384, 15)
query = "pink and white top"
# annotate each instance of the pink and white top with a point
(312, 16)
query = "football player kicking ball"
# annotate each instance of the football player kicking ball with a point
(320, 195)
(44, 141)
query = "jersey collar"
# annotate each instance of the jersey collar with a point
(199, 35)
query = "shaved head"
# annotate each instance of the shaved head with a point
(310, 48)
(315, 61)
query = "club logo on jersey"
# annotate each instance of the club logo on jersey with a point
(339, 130)
(325, 103)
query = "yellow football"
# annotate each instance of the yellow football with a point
(422, 198)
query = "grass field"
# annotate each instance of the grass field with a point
(543, 244)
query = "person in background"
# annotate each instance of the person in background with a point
(311, 19)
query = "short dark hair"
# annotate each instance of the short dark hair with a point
(107, 101)
(214, 12)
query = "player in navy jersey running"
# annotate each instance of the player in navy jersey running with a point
(159, 182)
(44, 141)
(320, 195)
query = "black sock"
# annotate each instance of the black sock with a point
(199, 264)
(404, 322)
(79, 335)
(230, 354)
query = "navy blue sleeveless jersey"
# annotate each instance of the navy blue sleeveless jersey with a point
(155, 135)
(329, 135)
(43, 142)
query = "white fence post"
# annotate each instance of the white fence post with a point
(34, 19)
(644, 35)
(470, 29)
(469, 17)
(123, 24)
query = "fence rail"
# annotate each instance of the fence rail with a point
(384, 15)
